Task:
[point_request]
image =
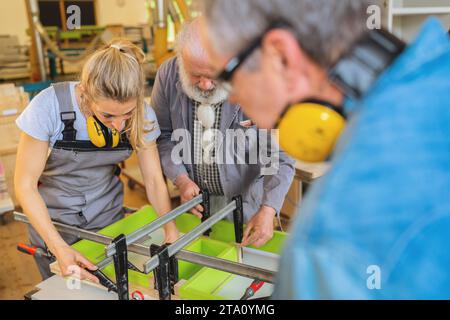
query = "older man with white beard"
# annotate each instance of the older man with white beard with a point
(186, 98)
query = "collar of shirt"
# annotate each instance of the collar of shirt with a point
(431, 42)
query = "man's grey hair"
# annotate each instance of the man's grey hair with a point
(189, 38)
(325, 29)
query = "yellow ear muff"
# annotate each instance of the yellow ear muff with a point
(100, 135)
(115, 138)
(308, 131)
(95, 133)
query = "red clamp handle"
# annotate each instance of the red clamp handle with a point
(27, 249)
(256, 285)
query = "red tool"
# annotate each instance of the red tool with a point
(33, 251)
(137, 295)
(252, 289)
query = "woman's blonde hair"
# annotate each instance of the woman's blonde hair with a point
(115, 72)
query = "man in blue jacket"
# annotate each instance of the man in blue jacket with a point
(377, 225)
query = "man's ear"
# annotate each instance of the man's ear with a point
(290, 60)
(81, 88)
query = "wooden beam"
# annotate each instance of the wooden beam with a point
(34, 63)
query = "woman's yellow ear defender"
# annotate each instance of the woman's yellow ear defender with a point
(100, 135)
(308, 131)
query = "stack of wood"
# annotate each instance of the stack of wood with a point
(12, 102)
(6, 203)
(14, 59)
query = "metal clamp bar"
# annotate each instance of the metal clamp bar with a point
(238, 219)
(191, 236)
(121, 267)
(206, 209)
(162, 271)
(158, 223)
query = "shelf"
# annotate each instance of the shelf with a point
(420, 11)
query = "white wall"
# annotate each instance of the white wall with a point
(13, 17)
(132, 13)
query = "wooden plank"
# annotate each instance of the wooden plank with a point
(307, 172)
(177, 287)
(9, 41)
(292, 199)
(10, 163)
(18, 75)
(6, 203)
(9, 140)
(7, 89)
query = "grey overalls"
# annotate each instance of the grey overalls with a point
(80, 183)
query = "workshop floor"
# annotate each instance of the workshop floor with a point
(18, 272)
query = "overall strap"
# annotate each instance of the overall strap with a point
(66, 111)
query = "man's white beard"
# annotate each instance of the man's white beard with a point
(213, 96)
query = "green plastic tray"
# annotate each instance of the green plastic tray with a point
(207, 281)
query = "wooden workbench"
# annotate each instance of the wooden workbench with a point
(305, 174)
(308, 172)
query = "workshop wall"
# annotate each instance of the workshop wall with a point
(13, 19)
(125, 12)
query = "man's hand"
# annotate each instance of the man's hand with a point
(73, 264)
(259, 229)
(171, 233)
(188, 191)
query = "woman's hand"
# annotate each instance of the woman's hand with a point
(73, 264)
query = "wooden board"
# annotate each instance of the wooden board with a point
(304, 173)
(9, 161)
(14, 64)
(12, 102)
(307, 172)
(292, 199)
(6, 204)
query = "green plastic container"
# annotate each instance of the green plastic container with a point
(224, 231)
(207, 281)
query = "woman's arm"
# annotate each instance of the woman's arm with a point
(156, 187)
(30, 163)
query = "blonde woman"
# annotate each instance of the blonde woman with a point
(74, 135)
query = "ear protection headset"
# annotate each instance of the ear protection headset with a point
(100, 135)
(309, 130)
